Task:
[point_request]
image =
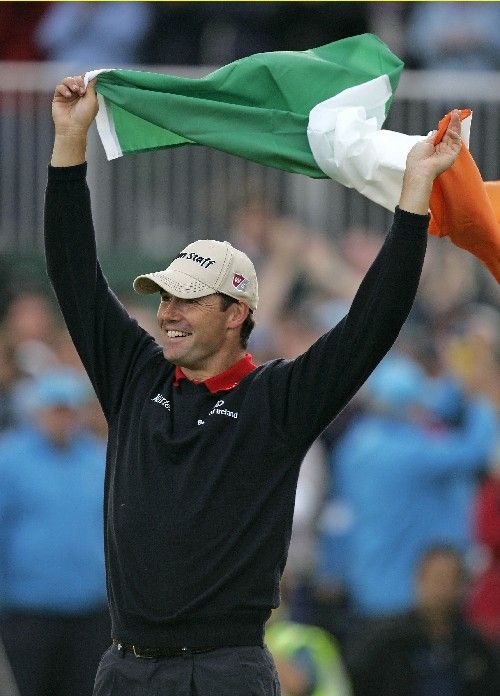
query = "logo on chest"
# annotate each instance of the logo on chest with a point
(217, 410)
(159, 399)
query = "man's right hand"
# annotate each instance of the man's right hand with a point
(425, 162)
(74, 107)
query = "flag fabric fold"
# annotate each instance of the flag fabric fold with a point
(318, 112)
(346, 138)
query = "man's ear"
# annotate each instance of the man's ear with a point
(237, 313)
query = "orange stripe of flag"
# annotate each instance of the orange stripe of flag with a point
(466, 209)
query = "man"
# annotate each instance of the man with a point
(431, 649)
(204, 448)
(54, 621)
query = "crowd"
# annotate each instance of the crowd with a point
(393, 579)
(395, 540)
(54, 621)
(437, 35)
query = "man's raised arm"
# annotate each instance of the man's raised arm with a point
(110, 343)
(336, 366)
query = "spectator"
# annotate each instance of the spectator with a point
(93, 35)
(30, 318)
(455, 35)
(401, 480)
(307, 658)
(430, 650)
(473, 350)
(54, 621)
(31, 329)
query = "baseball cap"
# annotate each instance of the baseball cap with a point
(203, 268)
(60, 388)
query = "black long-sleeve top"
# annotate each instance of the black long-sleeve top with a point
(199, 498)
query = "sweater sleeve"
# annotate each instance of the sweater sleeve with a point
(320, 382)
(110, 343)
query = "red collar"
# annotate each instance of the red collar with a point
(225, 380)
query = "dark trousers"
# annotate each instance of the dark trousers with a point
(54, 655)
(240, 671)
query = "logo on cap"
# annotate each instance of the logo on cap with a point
(193, 256)
(239, 282)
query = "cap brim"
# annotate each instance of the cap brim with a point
(175, 282)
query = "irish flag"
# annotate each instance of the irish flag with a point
(318, 112)
(257, 107)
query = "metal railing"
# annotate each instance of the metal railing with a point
(153, 202)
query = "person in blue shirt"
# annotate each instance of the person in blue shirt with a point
(53, 615)
(405, 485)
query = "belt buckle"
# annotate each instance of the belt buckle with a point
(144, 657)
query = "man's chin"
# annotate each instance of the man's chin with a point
(174, 353)
(176, 358)
(172, 357)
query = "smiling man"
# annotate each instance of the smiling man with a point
(204, 447)
(208, 295)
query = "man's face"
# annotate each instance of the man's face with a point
(192, 331)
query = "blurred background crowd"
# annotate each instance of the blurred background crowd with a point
(393, 580)
(424, 35)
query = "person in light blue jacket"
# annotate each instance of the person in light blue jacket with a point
(53, 616)
(406, 483)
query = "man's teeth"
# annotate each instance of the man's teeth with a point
(176, 334)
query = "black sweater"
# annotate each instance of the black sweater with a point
(198, 516)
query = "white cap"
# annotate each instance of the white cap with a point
(203, 268)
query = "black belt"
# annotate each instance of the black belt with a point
(152, 653)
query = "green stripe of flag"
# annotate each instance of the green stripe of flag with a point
(257, 107)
